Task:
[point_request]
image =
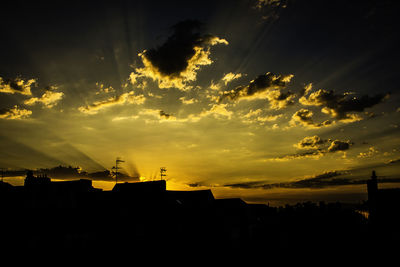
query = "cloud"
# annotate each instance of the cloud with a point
(314, 142)
(372, 151)
(314, 147)
(341, 106)
(255, 116)
(270, 8)
(16, 86)
(14, 113)
(318, 181)
(176, 62)
(258, 88)
(103, 89)
(338, 145)
(314, 154)
(165, 115)
(217, 110)
(49, 99)
(279, 100)
(230, 77)
(304, 117)
(187, 101)
(157, 113)
(128, 97)
(305, 90)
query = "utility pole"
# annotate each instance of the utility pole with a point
(116, 168)
(163, 172)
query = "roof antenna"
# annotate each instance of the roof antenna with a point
(116, 168)
(163, 172)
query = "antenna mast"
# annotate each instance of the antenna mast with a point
(116, 168)
(163, 172)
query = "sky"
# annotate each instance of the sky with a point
(272, 101)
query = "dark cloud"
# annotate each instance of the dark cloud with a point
(71, 173)
(172, 57)
(318, 181)
(327, 179)
(165, 115)
(324, 180)
(338, 145)
(261, 84)
(341, 106)
(246, 185)
(311, 142)
(315, 147)
(176, 62)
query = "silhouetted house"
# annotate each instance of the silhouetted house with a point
(5, 187)
(41, 192)
(383, 204)
(196, 198)
(233, 217)
(34, 182)
(151, 187)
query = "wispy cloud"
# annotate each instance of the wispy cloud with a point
(14, 113)
(49, 99)
(128, 97)
(230, 77)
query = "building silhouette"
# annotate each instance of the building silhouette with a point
(134, 218)
(383, 205)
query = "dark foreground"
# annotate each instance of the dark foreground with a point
(132, 219)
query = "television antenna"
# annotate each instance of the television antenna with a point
(116, 168)
(163, 172)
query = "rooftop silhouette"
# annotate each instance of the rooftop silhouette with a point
(75, 216)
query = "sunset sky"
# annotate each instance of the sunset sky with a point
(271, 100)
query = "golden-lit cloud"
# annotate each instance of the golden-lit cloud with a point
(304, 117)
(128, 97)
(217, 110)
(230, 77)
(188, 101)
(337, 145)
(345, 118)
(303, 155)
(103, 89)
(176, 62)
(372, 151)
(256, 116)
(278, 100)
(313, 142)
(306, 90)
(340, 106)
(259, 88)
(16, 86)
(314, 147)
(14, 113)
(49, 99)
